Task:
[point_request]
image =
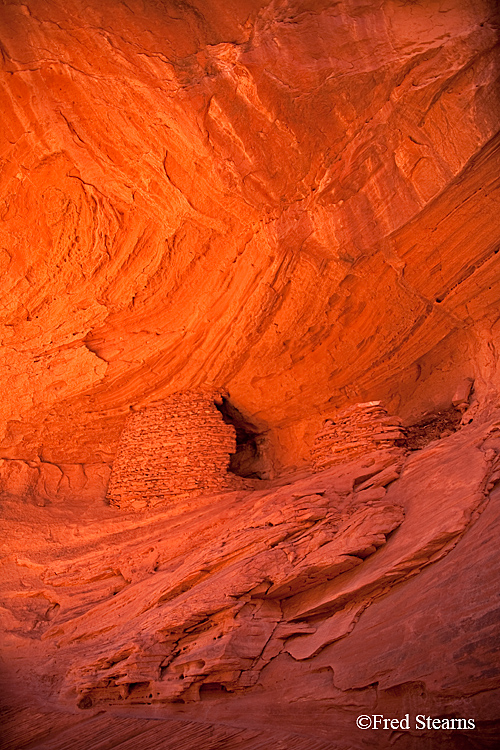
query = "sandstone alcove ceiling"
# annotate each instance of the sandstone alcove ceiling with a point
(294, 203)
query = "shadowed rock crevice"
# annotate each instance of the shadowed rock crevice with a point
(432, 426)
(251, 457)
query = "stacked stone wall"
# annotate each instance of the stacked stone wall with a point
(354, 432)
(177, 447)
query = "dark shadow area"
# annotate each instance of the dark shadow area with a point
(250, 459)
(213, 687)
(432, 426)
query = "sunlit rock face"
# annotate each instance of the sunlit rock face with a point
(294, 203)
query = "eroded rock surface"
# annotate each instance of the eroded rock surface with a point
(294, 202)
(220, 605)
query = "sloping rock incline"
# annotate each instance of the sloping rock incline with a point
(302, 592)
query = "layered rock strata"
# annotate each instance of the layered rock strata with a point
(289, 609)
(296, 201)
(292, 200)
(169, 449)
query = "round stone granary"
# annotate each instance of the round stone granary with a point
(170, 448)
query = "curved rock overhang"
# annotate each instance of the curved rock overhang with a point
(296, 202)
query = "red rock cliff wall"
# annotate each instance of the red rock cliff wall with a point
(296, 201)
(278, 615)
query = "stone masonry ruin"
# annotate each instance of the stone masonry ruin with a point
(356, 431)
(176, 447)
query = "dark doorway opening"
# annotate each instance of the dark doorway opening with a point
(250, 459)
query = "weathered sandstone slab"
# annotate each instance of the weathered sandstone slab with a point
(129, 612)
